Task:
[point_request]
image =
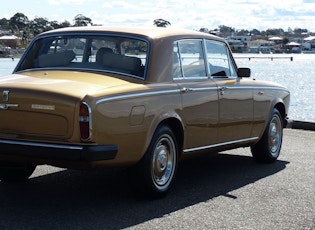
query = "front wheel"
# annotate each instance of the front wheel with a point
(13, 172)
(156, 171)
(267, 150)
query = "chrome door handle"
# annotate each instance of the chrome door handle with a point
(222, 89)
(186, 90)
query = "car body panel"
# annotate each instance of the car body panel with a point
(240, 117)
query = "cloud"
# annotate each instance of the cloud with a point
(60, 2)
(239, 14)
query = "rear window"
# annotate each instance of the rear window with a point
(123, 55)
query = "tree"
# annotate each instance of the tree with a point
(64, 24)
(204, 30)
(4, 24)
(242, 32)
(18, 22)
(39, 25)
(274, 32)
(255, 32)
(161, 23)
(81, 20)
(225, 30)
(299, 31)
(285, 40)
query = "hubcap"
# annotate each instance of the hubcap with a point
(275, 135)
(164, 160)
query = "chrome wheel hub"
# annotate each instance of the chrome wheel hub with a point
(163, 161)
(275, 133)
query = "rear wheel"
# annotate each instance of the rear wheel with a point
(267, 150)
(156, 171)
(13, 172)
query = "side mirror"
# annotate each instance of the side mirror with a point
(243, 72)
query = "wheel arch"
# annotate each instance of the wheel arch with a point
(176, 126)
(173, 121)
(281, 108)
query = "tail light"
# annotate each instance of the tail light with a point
(85, 121)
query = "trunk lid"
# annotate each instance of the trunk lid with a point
(44, 104)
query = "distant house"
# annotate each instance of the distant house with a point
(11, 41)
(293, 47)
(261, 46)
(238, 43)
(309, 43)
(276, 40)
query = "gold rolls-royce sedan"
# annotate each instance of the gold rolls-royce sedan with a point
(92, 97)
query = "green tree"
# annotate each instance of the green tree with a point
(242, 32)
(285, 40)
(81, 20)
(65, 24)
(55, 25)
(299, 31)
(4, 24)
(161, 23)
(225, 30)
(18, 22)
(274, 32)
(39, 25)
(255, 32)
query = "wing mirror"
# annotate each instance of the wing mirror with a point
(243, 72)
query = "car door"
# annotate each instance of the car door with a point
(235, 96)
(199, 95)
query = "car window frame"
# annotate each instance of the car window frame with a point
(23, 60)
(180, 59)
(231, 62)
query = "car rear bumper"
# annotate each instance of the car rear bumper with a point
(58, 151)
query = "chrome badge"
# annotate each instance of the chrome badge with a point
(5, 95)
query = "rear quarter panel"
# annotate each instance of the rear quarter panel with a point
(129, 120)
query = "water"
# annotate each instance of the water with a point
(297, 75)
(7, 65)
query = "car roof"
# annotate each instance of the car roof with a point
(150, 32)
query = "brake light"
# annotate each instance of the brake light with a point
(85, 121)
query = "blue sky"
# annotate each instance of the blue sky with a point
(189, 14)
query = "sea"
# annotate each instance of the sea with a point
(294, 71)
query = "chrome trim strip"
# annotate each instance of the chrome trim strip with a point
(191, 78)
(36, 144)
(267, 87)
(7, 106)
(220, 144)
(251, 87)
(134, 95)
(204, 88)
(143, 94)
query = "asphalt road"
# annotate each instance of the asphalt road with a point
(219, 191)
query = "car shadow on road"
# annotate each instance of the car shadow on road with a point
(102, 199)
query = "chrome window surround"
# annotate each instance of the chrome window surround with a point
(92, 33)
(232, 63)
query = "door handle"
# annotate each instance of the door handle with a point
(222, 89)
(186, 90)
